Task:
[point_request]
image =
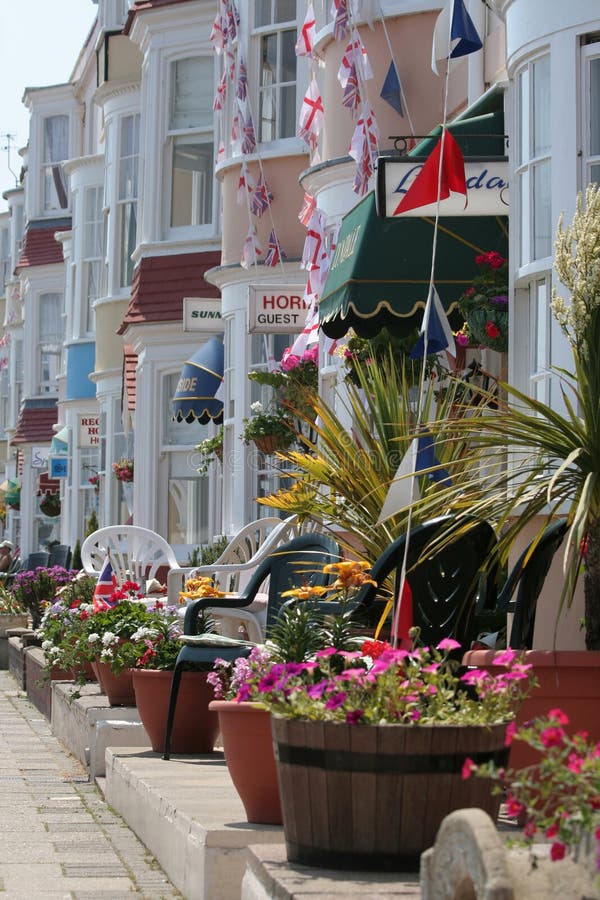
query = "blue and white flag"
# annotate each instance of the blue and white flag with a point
(426, 459)
(436, 328)
(454, 34)
(391, 91)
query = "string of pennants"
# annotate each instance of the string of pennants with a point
(454, 36)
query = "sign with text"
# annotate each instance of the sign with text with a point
(487, 189)
(59, 468)
(276, 308)
(89, 431)
(39, 457)
(201, 315)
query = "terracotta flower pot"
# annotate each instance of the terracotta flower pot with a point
(118, 688)
(248, 746)
(373, 797)
(195, 727)
(568, 679)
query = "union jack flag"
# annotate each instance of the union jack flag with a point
(274, 252)
(242, 83)
(217, 38)
(249, 138)
(230, 64)
(339, 9)
(105, 586)
(261, 197)
(221, 93)
(352, 99)
(233, 20)
(308, 32)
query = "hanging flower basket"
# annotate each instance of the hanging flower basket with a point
(270, 443)
(123, 470)
(50, 505)
(485, 305)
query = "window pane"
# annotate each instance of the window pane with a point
(187, 520)
(523, 100)
(541, 106)
(542, 210)
(287, 127)
(541, 330)
(129, 157)
(128, 232)
(262, 15)
(523, 194)
(288, 56)
(192, 93)
(595, 173)
(285, 11)
(56, 138)
(192, 181)
(595, 107)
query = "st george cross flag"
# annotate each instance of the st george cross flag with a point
(424, 189)
(105, 586)
(391, 91)
(454, 34)
(311, 114)
(436, 329)
(308, 33)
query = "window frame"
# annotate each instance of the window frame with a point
(93, 235)
(126, 199)
(47, 347)
(258, 35)
(589, 52)
(50, 162)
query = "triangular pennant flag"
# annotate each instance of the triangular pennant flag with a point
(105, 587)
(424, 189)
(391, 91)
(455, 23)
(426, 459)
(403, 489)
(436, 328)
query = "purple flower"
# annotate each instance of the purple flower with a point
(354, 716)
(336, 700)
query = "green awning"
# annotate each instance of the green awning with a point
(380, 271)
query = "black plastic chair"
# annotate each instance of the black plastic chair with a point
(527, 578)
(448, 583)
(299, 560)
(36, 560)
(60, 555)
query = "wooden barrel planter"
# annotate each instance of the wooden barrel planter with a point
(372, 797)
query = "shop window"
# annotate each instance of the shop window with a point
(534, 161)
(56, 151)
(276, 35)
(191, 141)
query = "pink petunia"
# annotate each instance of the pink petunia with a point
(557, 851)
(552, 737)
(511, 729)
(467, 768)
(559, 716)
(448, 644)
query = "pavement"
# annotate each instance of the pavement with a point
(59, 839)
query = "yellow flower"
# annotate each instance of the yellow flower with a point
(197, 588)
(350, 574)
(306, 592)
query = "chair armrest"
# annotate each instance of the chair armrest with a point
(175, 581)
(194, 609)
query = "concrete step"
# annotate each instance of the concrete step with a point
(189, 815)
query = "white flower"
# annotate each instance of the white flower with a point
(46, 645)
(256, 407)
(93, 638)
(109, 638)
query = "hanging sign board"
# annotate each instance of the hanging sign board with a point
(276, 308)
(202, 315)
(89, 431)
(487, 189)
(59, 468)
(39, 457)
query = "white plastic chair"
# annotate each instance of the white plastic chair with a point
(236, 565)
(136, 553)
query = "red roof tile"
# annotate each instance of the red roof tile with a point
(35, 425)
(161, 282)
(40, 248)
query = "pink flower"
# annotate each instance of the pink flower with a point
(513, 807)
(311, 354)
(492, 330)
(552, 737)
(461, 339)
(530, 828)
(559, 716)
(468, 767)
(552, 831)
(289, 360)
(448, 644)
(511, 729)
(557, 851)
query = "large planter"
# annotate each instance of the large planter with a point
(118, 688)
(195, 727)
(568, 679)
(248, 747)
(373, 797)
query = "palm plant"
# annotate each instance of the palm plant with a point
(554, 462)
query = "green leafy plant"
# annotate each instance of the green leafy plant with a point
(210, 449)
(558, 798)
(9, 604)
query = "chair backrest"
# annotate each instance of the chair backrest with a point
(36, 560)
(136, 553)
(60, 555)
(446, 583)
(527, 578)
(253, 543)
(290, 565)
